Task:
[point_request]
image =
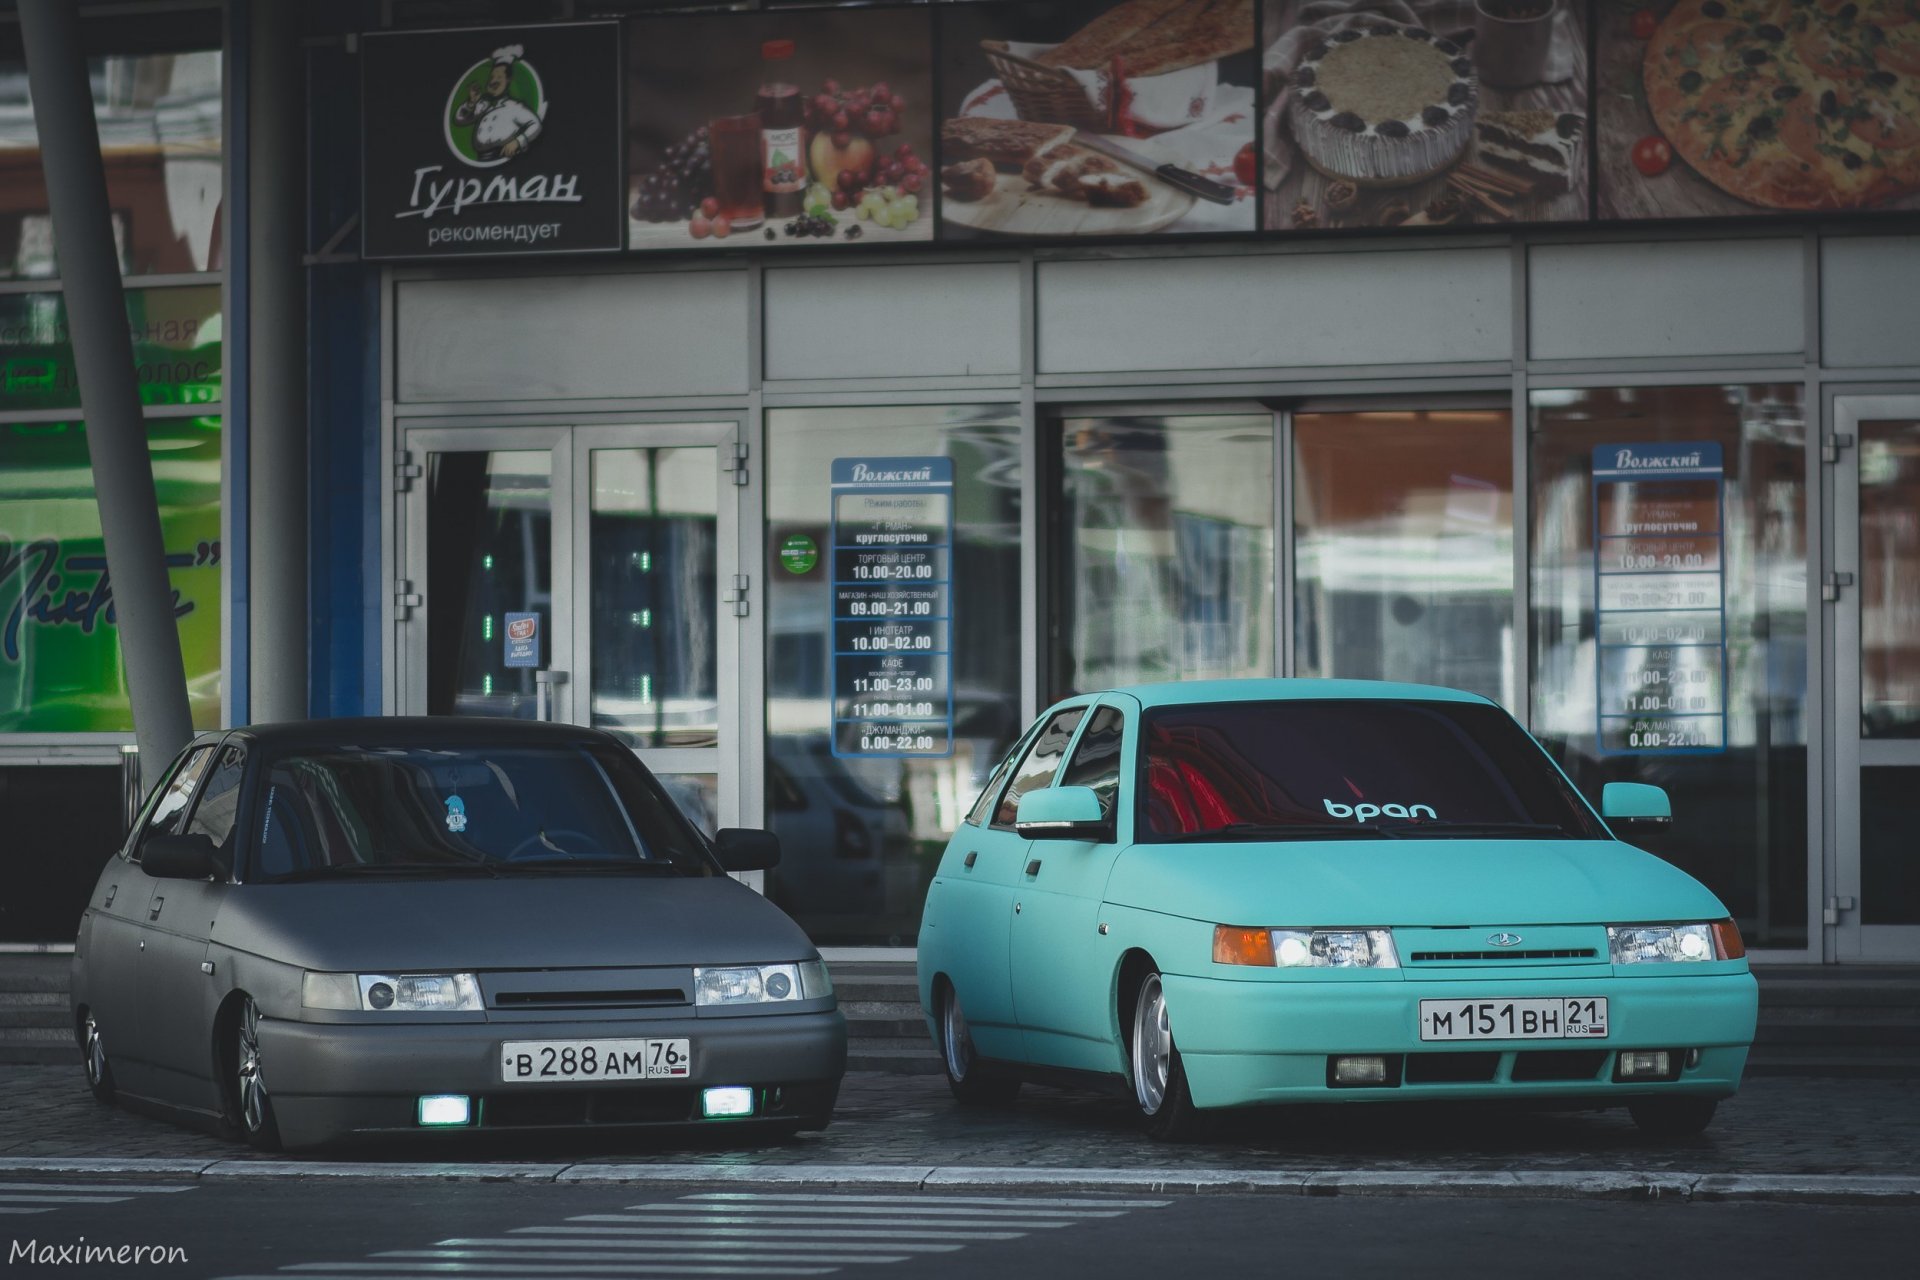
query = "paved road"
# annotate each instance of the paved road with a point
(349, 1229)
(1775, 1126)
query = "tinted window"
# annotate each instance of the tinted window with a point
(219, 802)
(1420, 767)
(545, 808)
(164, 818)
(1096, 761)
(1037, 769)
(984, 805)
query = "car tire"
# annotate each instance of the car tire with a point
(93, 1050)
(253, 1105)
(973, 1083)
(1159, 1075)
(1673, 1117)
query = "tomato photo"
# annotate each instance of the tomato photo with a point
(1244, 166)
(1652, 155)
(1645, 23)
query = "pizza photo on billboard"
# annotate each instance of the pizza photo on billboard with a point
(1724, 107)
(1083, 118)
(1421, 113)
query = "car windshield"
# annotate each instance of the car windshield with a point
(1333, 769)
(470, 810)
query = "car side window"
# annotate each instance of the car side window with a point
(1096, 761)
(219, 804)
(171, 811)
(984, 804)
(1037, 768)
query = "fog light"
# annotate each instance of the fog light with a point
(1635, 1065)
(445, 1109)
(1693, 1059)
(1359, 1070)
(728, 1100)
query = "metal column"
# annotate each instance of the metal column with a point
(109, 397)
(277, 464)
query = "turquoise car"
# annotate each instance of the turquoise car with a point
(1235, 893)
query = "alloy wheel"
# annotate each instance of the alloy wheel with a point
(1152, 1047)
(252, 1085)
(956, 1043)
(96, 1054)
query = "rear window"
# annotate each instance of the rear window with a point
(340, 810)
(1313, 769)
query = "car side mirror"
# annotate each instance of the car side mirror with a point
(1062, 813)
(181, 857)
(747, 849)
(1635, 808)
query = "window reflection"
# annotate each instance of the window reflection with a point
(1890, 579)
(1163, 560)
(161, 140)
(1740, 817)
(1403, 537)
(860, 836)
(489, 552)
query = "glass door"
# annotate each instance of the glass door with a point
(1874, 901)
(587, 574)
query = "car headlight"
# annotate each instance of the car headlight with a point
(761, 983)
(1675, 943)
(393, 993)
(1305, 948)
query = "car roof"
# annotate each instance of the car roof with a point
(450, 731)
(1187, 692)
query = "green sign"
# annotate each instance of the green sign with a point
(60, 669)
(799, 553)
(176, 348)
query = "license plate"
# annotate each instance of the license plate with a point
(1577, 1018)
(530, 1061)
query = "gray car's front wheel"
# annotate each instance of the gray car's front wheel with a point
(251, 1100)
(99, 1070)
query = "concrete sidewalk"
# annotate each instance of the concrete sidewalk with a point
(1842, 1141)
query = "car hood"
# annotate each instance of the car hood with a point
(1409, 882)
(521, 922)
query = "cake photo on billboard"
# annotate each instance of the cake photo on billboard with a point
(1543, 146)
(1384, 106)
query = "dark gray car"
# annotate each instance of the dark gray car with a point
(356, 928)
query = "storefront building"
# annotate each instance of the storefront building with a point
(1653, 485)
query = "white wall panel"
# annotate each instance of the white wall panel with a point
(1686, 298)
(909, 321)
(1868, 314)
(1269, 311)
(572, 337)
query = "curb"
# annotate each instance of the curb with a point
(1573, 1184)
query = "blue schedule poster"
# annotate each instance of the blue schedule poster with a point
(1660, 600)
(892, 573)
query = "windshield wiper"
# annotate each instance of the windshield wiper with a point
(1273, 831)
(1420, 830)
(386, 868)
(585, 864)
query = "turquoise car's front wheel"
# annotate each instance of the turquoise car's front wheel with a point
(1159, 1076)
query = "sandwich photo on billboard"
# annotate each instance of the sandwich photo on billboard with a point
(776, 129)
(1416, 113)
(1097, 119)
(1719, 108)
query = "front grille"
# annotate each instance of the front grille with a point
(628, 999)
(1558, 953)
(1558, 1064)
(1451, 1068)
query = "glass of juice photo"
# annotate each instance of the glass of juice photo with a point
(736, 168)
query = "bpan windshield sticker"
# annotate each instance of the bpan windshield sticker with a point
(892, 559)
(1660, 598)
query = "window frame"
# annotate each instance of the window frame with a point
(1080, 707)
(1111, 810)
(138, 836)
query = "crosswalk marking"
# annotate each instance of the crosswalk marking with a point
(731, 1234)
(11, 1197)
(95, 1188)
(17, 1198)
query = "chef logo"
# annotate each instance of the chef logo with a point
(496, 110)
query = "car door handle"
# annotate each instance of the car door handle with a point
(111, 890)
(153, 912)
(1033, 868)
(971, 859)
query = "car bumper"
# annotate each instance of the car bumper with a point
(1266, 1042)
(337, 1082)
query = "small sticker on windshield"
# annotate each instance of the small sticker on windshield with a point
(456, 814)
(1368, 812)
